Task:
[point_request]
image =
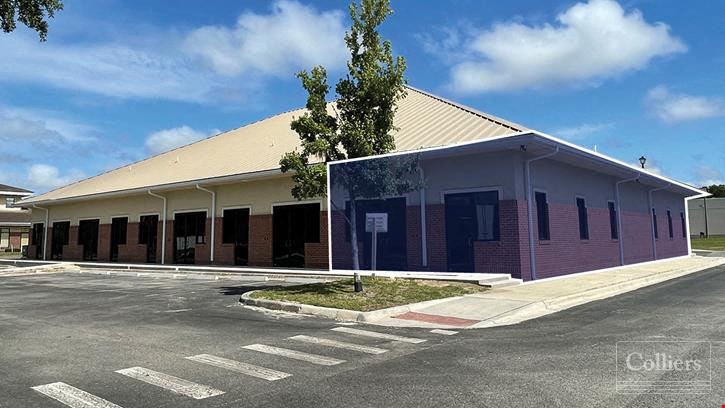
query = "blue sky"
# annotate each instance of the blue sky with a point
(120, 80)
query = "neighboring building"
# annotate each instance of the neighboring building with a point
(14, 222)
(707, 216)
(224, 201)
(587, 211)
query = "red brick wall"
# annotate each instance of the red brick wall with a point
(436, 237)
(104, 243)
(73, 251)
(223, 253)
(503, 256)
(566, 253)
(169, 241)
(637, 228)
(670, 247)
(341, 248)
(316, 254)
(132, 252)
(413, 238)
(260, 240)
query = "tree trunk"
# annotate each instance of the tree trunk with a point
(353, 236)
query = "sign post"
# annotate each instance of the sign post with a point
(374, 223)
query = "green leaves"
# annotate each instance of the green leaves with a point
(360, 122)
(32, 13)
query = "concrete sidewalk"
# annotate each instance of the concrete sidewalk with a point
(516, 304)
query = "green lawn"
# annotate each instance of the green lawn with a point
(713, 243)
(379, 293)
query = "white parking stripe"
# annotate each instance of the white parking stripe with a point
(339, 344)
(72, 396)
(297, 355)
(171, 383)
(244, 368)
(386, 336)
(444, 332)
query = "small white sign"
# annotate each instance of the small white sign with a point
(376, 222)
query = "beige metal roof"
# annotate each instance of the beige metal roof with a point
(423, 120)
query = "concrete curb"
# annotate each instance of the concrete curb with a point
(337, 314)
(39, 269)
(545, 307)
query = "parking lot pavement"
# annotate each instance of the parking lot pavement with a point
(95, 341)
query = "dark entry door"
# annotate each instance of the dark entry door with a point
(148, 231)
(470, 217)
(236, 232)
(189, 230)
(88, 237)
(38, 230)
(292, 226)
(61, 235)
(119, 227)
(392, 251)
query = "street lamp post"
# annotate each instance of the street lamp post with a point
(642, 161)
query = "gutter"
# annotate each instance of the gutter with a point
(213, 220)
(620, 233)
(652, 218)
(423, 226)
(163, 227)
(45, 229)
(687, 218)
(163, 187)
(527, 180)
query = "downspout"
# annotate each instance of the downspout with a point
(213, 220)
(620, 233)
(163, 227)
(423, 226)
(45, 229)
(532, 248)
(652, 218)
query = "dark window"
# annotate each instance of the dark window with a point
(119, 229)
(88, 237)
(654, 223)
(235, 231)
(613, 226)
(148, 231)
(60, 237)
(542, 216)
(583, 218)
(189, 231)
(684, 225)
(9, 201)
(669, 224)
(292, 227)
(37, 240)
(392, 245)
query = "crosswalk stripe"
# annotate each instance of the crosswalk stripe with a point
(72, 396)
(297, 355)
(444, 332)
(237, 366)
(339, 344)
(386, 336)
(171, 383)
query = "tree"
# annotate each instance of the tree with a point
(717, 190)
(358, 124)
(32, 13)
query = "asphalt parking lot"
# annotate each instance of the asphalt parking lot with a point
(80, 330)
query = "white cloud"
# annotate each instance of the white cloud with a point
(108, 69)
(42, 129)
(589, 42)
(581, 131)
(707, 176)
(199, 65)
(673, 107)
(44, 177)
(291, 37)
(167, 139)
